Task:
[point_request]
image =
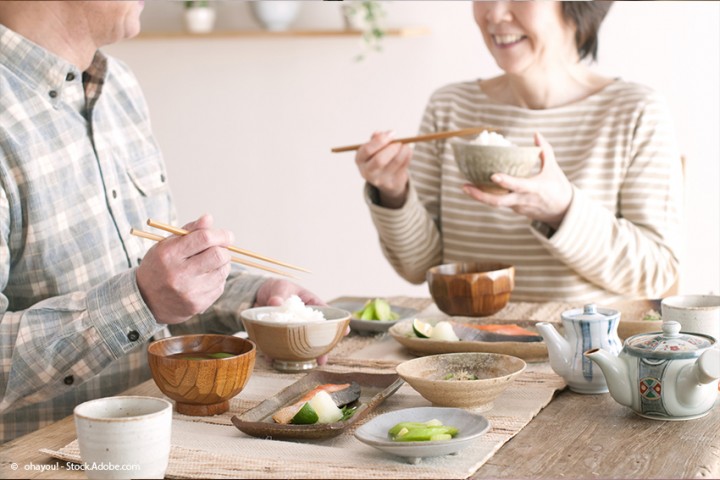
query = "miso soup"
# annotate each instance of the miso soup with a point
(202, 355)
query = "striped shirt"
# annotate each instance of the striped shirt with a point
(78, 168)
(620, 236)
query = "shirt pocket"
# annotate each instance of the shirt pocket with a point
(148, 177)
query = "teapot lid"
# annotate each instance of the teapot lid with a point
(670, 342)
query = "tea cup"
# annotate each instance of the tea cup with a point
(694, 313)
(124, 437)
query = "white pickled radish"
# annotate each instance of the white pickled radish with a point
(325, 407)
(444, 331)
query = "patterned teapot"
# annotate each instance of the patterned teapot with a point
(668, 375)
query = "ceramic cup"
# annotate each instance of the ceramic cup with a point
(124, 437)
(694, 313)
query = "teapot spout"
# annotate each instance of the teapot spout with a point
(559, 350)
(616, 374)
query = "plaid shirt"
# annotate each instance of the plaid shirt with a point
(78, 168)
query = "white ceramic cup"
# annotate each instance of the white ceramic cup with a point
(124, 437)
(694, 313)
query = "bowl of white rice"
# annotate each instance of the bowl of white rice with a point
(492, 153)
(293, 334)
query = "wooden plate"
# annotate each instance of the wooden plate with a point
(402, 332)
(258, 422)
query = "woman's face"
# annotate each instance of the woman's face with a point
(525, 36)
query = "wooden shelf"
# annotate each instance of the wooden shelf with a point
(392, 32)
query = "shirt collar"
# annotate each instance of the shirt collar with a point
(41, 68)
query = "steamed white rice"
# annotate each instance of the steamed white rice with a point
(492, 138)
(292, 310)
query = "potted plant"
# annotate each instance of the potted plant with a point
(366, 17)
(199, 16)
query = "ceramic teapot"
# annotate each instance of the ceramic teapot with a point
(668, 375)
(585, 328)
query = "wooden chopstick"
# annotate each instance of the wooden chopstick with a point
(157, 238)
(247, 253)
(424, 138)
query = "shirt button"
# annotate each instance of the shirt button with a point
(133, 336)
(68, 380)
(139, 260)
(53, 94)
(162, 178)
(70, 77)
(114, 193)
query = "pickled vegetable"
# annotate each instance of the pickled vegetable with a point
(430, 431)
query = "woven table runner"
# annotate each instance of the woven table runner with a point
(211, 447)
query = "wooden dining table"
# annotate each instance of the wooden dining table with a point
(574, 436)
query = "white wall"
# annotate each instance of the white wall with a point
(247, 124)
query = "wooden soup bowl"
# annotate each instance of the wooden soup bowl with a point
(201, 387)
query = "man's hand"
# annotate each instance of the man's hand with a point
(182, 276)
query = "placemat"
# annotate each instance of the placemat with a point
(211, 447)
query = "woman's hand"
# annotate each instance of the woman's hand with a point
(544, 197)
(384, 165)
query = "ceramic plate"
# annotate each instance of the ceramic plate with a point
(402, 332)
(470, 426)
(632, 313)
(258, 422)
(368, 327)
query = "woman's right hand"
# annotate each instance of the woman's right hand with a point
(383, 163)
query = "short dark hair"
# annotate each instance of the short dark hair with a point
(587, 17)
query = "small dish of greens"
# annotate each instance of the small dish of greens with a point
(373, 315)
(416, 433)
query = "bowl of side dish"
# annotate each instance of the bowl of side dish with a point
(294, 335)
(201, 372)
(471, 289)
(464, 380)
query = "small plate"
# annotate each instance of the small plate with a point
(368, 327)
(470, 426)
(258, 422)
(402, 332)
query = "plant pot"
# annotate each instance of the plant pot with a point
(354, 17)
(275, 15)
(199, 19)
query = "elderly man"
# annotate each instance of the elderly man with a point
(78, 168)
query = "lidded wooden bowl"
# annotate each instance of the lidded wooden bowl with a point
(471, 289)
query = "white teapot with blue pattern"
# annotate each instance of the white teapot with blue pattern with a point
(668, 375)
(585, 328)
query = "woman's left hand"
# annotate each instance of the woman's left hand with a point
(544, 197)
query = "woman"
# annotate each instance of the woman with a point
(598, 223)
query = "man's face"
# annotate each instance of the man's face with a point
(110, 21)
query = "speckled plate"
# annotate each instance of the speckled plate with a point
(368, 327)
(402, 332)
(258, 422)
(470, 426)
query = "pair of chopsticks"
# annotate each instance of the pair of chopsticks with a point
(424, 138)
(180, 231)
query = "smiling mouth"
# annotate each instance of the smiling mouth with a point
(507, 39)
